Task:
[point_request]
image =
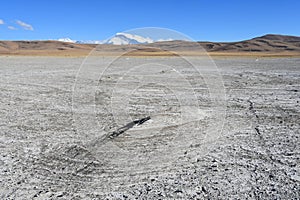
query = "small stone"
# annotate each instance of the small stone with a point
(178, 191)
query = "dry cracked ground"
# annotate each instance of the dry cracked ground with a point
(234, 138)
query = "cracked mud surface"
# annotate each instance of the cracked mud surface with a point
(45, 156)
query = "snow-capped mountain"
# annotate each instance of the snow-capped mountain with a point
(90, 41)
(126, 38)
(67, 40)
(81, 41)
(118, 39)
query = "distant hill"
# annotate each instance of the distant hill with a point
(267, 44)
(40, 45)
(48, 47)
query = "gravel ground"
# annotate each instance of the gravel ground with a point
(57, 122)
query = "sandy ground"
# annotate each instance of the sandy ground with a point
(56, 115)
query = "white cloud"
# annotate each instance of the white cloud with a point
(12, 28)
(1, 21)
(24, 25)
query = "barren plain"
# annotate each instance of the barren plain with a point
(235, 137)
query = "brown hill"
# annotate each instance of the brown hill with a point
(265, 45)
(48, 47)
(268, 43)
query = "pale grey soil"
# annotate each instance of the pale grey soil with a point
(50, 150)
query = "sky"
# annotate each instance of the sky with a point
(201, 20)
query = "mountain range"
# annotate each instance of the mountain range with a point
(118, 39)
(267, 44)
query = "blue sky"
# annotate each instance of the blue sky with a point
(221, 20)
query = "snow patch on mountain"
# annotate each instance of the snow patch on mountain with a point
(66, 40)
(91, 42)
(126, 38)
(164, 40)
